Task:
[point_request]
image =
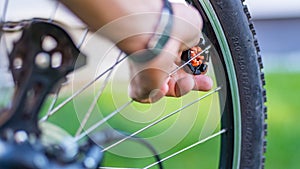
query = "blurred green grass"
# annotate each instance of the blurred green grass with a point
(283, 94)
(283, 148)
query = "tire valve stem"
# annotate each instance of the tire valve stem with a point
(197, 65)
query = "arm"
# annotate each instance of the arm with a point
(130, 24)
(98, 13)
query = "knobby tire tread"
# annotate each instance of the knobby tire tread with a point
(243, 41)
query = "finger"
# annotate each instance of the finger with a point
(180, 86)
(157, 94)
(184, 85)
(148, 85)
(202, 83)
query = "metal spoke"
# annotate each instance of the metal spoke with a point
(50, 19)
(52, 15)
(53, 102)
(161, 119)
(56, 95)
(95, 100)
(83, 89)
(86, 31)
(55, 98)
(114, 113)
(88, 131)
(2, 20)
(187, 148)
(4, 43)
(4, 11)
(181, 66)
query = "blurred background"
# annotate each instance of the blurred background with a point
(277, 24)
(278, 31)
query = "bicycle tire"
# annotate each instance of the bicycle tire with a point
(235, 23)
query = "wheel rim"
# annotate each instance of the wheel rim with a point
(212, 17)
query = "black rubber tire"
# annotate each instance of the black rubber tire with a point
(236, 23)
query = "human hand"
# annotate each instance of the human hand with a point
(152, 80)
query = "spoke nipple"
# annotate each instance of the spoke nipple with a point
(218, 88)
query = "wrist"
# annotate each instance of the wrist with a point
(159, 37)
(140, 26)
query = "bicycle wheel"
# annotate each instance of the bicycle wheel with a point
(235, 31)
(235, 117)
